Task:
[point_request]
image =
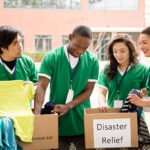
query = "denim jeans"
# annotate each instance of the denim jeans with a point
(8, 138)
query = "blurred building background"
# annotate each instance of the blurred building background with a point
(147, 12)
(47, 23)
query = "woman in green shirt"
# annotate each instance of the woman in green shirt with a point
(144, 44)
(123, 72)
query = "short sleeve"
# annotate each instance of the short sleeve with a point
(47, 65)
(102, 79)
(146, 78)
(94, 70)
(34, 72)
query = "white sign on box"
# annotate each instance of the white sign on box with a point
(112, 133)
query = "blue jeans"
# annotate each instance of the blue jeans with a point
(8, 135)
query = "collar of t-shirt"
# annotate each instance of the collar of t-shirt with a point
(9, 64)
(72, 60)
(122, 72)
(11, 68)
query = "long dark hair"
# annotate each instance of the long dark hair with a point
(111, 69)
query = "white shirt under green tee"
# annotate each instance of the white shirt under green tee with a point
(56, 67)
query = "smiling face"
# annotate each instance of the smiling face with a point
(78, 45)
(121, 53)
(144, 44)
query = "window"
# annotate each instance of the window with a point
(43, 42)
(99, 44)
(52, 4)
(133, 35)
(101, 40)
(113, 5)
(65, 39)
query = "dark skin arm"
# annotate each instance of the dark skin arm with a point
(62, 109)
(59, 108)
(40, 94)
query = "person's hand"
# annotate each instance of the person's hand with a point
(145, 92)
(135, 99)
(103, 107)
(36, 112)
(142, 93)
(61, 109)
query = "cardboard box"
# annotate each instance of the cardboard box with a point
(110, 129)
(45, 134)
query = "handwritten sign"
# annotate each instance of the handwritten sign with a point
(112, 133)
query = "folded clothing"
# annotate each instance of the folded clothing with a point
(48, 107)
(143, 133)
(128, 107)
(15, 96)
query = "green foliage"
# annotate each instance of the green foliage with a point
(36, 56)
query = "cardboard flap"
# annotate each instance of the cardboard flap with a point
(97, 110)
(45, 134)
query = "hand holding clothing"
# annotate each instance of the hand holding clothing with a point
(61, 109)
(134, 99)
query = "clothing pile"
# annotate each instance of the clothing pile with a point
(48, 108)
(143, 133)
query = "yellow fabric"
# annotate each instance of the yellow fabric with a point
(14, 103)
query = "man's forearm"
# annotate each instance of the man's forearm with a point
(39, 100)
(80, 98)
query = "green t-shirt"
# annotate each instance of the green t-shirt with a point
(135, 78)
(25, 70)
(56, 67)
(148, 83)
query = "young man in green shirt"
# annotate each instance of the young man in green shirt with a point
(72, 72)
(13, 66)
